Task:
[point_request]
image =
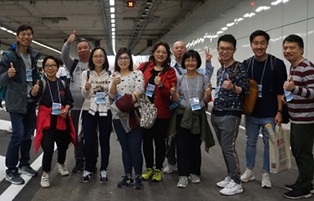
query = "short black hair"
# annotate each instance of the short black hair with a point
(52, 58)
(193, 54)
(121, 51)
(294, 38)
(79, 40)
(156, 45)
(23, 28)
(91, 64)
(228, 38)
(259, 33)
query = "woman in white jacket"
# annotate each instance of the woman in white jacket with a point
(96, 114)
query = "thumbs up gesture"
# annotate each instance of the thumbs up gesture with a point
(157, 79)
(227, 84)
(88, 84)
(11, 70)
(208, 90)
(289, 85)
(208, 56)
(116, 79)
(35, 89)
(72, 37)
(173, 89)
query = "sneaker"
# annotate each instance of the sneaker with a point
(224, 182)
(79, 166)
(290, 187)
(183, 182)
(195, 179)
(63, 170)
(103, 176)
(247, 175)
(28, 170)
(148, 173)
(138, 183)
(157, 175)
(86, 176)
(14, 177)
(126, 181)
(169, 169)
(44, 181)
(266, 183)
(297, 194)
(232, 188)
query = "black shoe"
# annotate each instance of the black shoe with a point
(86, 176)
(138, 183)
(79, 167)
(27, 170)
(297, 194)
(103, 176)
(126, 181)
(14, 177)
(290, 187)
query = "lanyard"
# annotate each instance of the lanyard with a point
(187, 86)
(262, 76)
(222, 76)
(51, 92)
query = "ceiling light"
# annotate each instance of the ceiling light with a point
(113, 20)
(230, 24)
(112, 9)
(111, 2)
(224, 28)
(113, 25)
(113, 33)
(112, 15)
(113, 29)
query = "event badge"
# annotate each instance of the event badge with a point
(217, 90)
(56, 108)
(150, 90)
(260, 91)
(29, 77)
(195, 104)
(100, 97)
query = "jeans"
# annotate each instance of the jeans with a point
(90, 124)
(253, 125)
(23, 126)
(131, 145)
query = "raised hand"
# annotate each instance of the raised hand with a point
(116, 79)
(157, 79)
(208, 90)
(227, 84)
(88, 84)
(208, 56)
(72, 37)
(173, 90)
(289, 85)
(11, 70)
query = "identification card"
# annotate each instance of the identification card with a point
(217, 90)
(150, 90)
(195, 104)
(29, 77)
(100, 97)
(56, 108)
(260, 91)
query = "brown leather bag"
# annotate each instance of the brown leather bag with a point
(250, 98)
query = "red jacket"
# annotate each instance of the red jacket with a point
(43, 123)
(162, 94)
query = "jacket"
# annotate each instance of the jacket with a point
(16, 94)
(162, 94)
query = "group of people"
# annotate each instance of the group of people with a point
(101, 101)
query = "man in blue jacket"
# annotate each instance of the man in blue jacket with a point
(18, 73)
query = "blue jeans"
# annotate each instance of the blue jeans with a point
(23, 126)
(131, 145)
(253, 125)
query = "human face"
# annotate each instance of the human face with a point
(83, 51)
(179, 49)
(51, 68)
(259, 46)
(292, 52)
(160, 54)
(25, 37)
(98, 58)
(124, 61)
(190, 64)
(226, 51)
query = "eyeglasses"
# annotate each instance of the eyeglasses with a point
(98, 56)
(221, 49)
(123, 58)
(51, 65)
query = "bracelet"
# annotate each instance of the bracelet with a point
(280, 111)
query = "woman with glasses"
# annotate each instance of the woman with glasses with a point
(159, 77)
(96, 114)
(53, 122)
(126, 86)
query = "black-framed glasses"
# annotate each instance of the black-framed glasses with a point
(51, 65)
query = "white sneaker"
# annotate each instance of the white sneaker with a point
(232, 188)
(195, 179)
(63, 170)
(169, 169)
(247, 175)
(183, 182)
(44, 182)
(224, 182)
(266, 183)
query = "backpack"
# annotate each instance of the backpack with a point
(3, 89)
(75, 62)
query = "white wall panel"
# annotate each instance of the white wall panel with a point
(273, 17)
(310, 41)
(310, 8)
(294, 11)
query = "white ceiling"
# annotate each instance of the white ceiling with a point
(54, 20)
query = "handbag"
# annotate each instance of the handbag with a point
(250, 98)
(148, 112)
(279, 150)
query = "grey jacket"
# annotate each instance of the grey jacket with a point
(16, 94)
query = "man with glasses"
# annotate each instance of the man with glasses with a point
(232, 83)
(18, 72)
(76, 67)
